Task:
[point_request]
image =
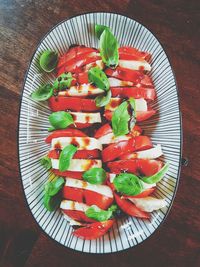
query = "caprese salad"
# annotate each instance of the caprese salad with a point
(102, 163)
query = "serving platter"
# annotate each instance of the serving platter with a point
(164, 128)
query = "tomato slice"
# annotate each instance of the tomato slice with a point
(65, 133)
(103, 130)
(93, 198)
(132, 53)
(137, 166)
(115, 150)
(145, 193)
(78, 215)
(129, 208)
(80, 125)
(80, 154)
(94, 230)
(135, 92)
(73, 103)
(70, 174)
(73, 193)
(140, 115)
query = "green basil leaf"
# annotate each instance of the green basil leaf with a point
(60, 120)
(54, 186)
(157, 176)
(98, 214)
(66, 156)
(113, 208)
(43, 93)
(109, 48)
(46, 162)
(133, 115)
(48, 60)
(95, 175)
(127, 183)
(120, 119)
(103, 100)
(99, 30)
(99, 78)
(63, 81)
(51, 203)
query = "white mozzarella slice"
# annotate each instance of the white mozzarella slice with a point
(135, 64)
(79, 165)
(116, 82)
(151, 153)
(110, 138)
(73, 205)
(149, 204)
(140, 104)
(81, 117)
(101, 189)
(70, 220)
(81, 90)
(88, 143)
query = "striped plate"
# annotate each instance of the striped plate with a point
(164, 128)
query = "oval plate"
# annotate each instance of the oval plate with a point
(164, 128)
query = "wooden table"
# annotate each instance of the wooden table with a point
(176, 24)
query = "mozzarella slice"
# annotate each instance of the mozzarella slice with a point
(78, 165)
(116, 82)
(145, 185)
(70, 220)
(140, 104)
(151, 153)
(110, 138)
(81, 90)
(101, 189)
(82, 143)
(73, 205)
(81, 117)
(149, 204)
(135, 64)
(98, 63)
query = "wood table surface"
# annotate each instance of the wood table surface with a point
(177, 25)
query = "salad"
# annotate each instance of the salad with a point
(101, 162)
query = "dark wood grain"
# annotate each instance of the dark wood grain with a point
(176, 24)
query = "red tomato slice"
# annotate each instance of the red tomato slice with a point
(80, 154)
(73, 52)
(70, 174)
(144, 115)
(145, 193)
(140, 115)
(103, 130)
(94, 230)
(87, 196)
(137, 166)
(73, 103)
(135, 92)
(78, 215)
(115, 150)
(80, 125)
(136, 131)
(64, 133)
(132, 52)
(129, 208)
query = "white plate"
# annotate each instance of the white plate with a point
(164, 128)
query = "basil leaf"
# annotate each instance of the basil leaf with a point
(109, 48)
(66, 156)
(46, 162)
(54, 186)
(99, 29)
(48, 60)
(63, 81)
(133, 110)
(43, 93)
(99, 78)
(60, 120)
(95, 175)
(113, 208)
(98, 214)
(103, 100)
(127, 183)
(51, 203)
(157, 176)
(120, 119)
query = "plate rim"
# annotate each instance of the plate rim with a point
(18, 129)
